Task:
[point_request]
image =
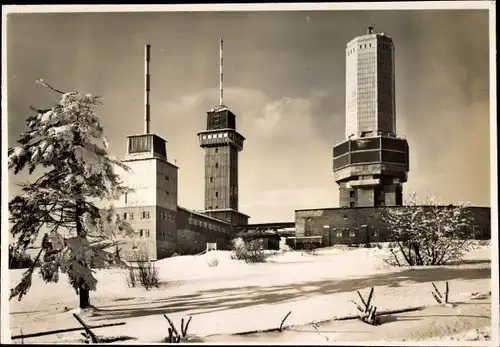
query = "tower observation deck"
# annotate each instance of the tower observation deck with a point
(371, 165)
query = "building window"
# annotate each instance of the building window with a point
(126, 197)
(144, 232)
(145, 215)
(211, 179)
(125, 215)
(338, 233)
(352, 233)
(375, 232)
(131, 216)
(351, 193)
(216, 206)
(352, 204)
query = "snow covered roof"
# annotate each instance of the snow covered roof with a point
(219, 108)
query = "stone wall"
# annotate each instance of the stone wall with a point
(194, 231)
(364, 224)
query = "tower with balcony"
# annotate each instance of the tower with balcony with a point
(222, 144)
(372, 164)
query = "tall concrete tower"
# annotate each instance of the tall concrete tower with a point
(222, 143)
(371, 165)
(151, 208)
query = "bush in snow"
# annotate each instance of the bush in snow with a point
(19, 259)
(310, 248)
(143, 272)
(67, 143)
(213, 262)
(427, 233)
(250, 251)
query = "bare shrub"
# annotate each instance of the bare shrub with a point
(250, 251)
(142, 272)
(428, 233)
(310, 248)
(213, 262)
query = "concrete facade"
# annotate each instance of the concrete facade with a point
(370, 87)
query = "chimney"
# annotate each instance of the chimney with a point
(147, 87)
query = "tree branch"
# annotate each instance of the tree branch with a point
(41, 81)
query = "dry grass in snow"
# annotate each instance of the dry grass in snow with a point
(235, 297)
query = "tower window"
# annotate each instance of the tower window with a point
(210, 136)
(216, 194)
(211, 179)
(225, 134)
(216, 150)
(167, 178)
(338, 233)
(126, 197)
(216, 165)
(204, 137)
(352, 233)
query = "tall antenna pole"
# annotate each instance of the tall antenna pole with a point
(147, 87)
(221, 81)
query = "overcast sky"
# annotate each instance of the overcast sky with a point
(284, 79)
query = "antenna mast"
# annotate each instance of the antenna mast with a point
(221, 81)
(147, 87)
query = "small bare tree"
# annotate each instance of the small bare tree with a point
(427, 232)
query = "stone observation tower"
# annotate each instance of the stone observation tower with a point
(222, 143)
(371, 165)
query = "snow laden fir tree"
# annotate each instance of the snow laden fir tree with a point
(67, 143)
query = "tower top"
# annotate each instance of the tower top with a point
(369, 30)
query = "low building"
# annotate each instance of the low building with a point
(365, 224)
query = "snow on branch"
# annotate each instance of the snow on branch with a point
(46, 85)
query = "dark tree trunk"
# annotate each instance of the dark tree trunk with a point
(84, 297)
(83, 292)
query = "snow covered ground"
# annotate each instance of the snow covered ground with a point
(236, 297)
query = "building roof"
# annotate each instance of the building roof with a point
(203, 215)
